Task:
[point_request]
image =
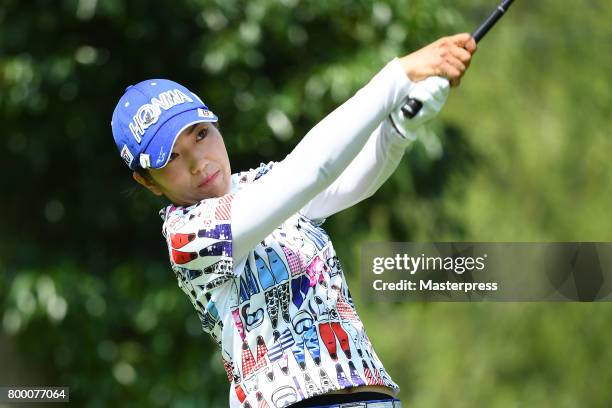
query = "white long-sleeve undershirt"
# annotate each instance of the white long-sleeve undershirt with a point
(373, 165)
(341, 161)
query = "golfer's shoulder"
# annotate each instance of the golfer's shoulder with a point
(203, 215)
(176, 218)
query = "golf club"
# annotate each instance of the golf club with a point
(413, 106)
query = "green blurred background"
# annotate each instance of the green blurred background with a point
(520, 153)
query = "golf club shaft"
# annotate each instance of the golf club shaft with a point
(413, 106)
(491, 20)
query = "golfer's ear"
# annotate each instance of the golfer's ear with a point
(147, 182)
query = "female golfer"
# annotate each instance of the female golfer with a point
(248, 248)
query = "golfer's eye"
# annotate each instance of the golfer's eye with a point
(202, 133)
(172, 157)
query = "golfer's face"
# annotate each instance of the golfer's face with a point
(198, 168)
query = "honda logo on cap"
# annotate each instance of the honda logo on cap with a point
(148, 114)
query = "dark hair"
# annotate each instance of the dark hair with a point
(144, 173)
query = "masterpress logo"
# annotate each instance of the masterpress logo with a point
(395, 271)
(489, 271)
(412, 264)
(431, 270)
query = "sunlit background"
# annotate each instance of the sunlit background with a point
(520, 153)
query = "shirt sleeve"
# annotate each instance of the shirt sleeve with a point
(199, 240)
(367, 172)
(317, 161)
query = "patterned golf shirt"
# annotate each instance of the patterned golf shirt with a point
(263, 275)
(285, 321)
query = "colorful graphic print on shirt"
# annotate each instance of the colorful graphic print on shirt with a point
(284, 317)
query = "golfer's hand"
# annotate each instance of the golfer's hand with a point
(448, 57)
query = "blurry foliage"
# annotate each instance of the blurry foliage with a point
(521, 153)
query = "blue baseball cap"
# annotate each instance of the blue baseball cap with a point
(149, 117)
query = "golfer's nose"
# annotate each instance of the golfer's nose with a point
(197, 163)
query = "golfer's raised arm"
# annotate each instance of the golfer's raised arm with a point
(365, 174)
(327, 150)
(317, 160)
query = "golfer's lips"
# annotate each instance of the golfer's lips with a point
(208, 180)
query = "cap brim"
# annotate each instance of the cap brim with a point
(163, 142)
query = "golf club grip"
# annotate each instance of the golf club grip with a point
(412, 107)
